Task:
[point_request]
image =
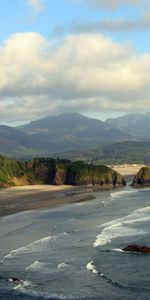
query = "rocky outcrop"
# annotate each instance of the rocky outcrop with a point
(58, 172)
(15, 280)
(142, 178)
(60, 175)
(137, 248)
(79, 173)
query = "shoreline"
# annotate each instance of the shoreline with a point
(18, 199)
(32, 197)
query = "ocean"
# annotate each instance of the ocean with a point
(74, 251)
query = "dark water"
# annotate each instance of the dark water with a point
(74, 251)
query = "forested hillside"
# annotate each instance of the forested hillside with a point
(118, 153)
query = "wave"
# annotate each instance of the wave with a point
(62, 265)
(37, 265)
(23, 286)
(26, 287)
(120, 227)
(119, 194)
(123, 193)
(90, 267)
(43, 266)
(118, 250)
(115, 231)
(39, 245)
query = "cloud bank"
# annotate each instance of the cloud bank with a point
(86, 72)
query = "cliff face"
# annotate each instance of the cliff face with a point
(83, 174)
(58, 172)
(142, 178)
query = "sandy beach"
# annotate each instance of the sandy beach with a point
(17, 199)
(22, 198)
(127, 170)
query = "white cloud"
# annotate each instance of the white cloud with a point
(36, 4)
(83, 73)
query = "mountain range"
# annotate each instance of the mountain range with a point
(71, 132)
(137, 124)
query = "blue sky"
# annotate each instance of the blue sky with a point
(19, 16)
(91, 56)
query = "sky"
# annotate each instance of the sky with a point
(87, 56)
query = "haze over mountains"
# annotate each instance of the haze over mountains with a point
(135, 124)
(69, 132)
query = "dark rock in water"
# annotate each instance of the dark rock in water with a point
(142, 178)
(15, 279)
(137, 248)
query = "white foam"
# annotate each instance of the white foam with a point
(117, 250)
(39, 245)
(115, 231)
(119, 194)
(122, 227)
(28, 288)
(62, 265)
(90, 267)
(123, 193)
(23, 286)
(37, 265)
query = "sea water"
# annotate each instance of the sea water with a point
(75, 251)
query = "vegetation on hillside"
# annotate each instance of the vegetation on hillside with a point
(56, 171)
(79, 173)
(117, 153)
(10, 168)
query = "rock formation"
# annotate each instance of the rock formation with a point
(58, 172)
(137, 248)
(79, 173)
(142, 178)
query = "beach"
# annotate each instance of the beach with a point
(23, 198)
(31, 197)
(128, 170)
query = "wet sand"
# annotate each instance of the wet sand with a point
(17, 199)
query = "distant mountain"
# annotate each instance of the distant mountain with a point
(15, 142)
(67, 132)
(73, 131)
(137, 124)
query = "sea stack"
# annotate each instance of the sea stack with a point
(142, 178)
